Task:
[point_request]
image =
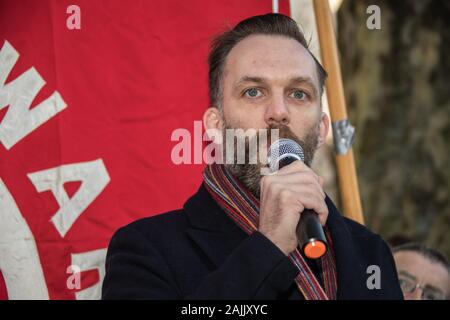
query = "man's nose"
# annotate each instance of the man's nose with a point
(277, 111)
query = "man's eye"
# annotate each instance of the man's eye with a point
(252, 93)
(407, 285)
(299, 95)
(432, 295)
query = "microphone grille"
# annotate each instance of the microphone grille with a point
(283, 148)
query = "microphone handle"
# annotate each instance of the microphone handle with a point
(310, 235)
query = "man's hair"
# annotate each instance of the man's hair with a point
(269, 24)
(431, 254)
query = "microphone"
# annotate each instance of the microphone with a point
(310, 235)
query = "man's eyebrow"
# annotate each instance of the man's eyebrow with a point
(292, 81)
(301, 80)
(408, 275)
(245, 79)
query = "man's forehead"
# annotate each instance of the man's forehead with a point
(419, 266)
(270, 58)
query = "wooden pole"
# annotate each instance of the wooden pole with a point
(348, 181)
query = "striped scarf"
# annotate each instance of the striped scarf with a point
(243, 208)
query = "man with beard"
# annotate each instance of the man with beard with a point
(236, 237)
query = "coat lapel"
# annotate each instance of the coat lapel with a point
(351, 280)
(215, 234)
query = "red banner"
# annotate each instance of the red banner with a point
(90, 94)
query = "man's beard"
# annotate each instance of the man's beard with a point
(250, 173)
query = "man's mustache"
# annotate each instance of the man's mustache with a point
(308, 143)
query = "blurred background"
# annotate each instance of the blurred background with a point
(397, 88)
(396, 83)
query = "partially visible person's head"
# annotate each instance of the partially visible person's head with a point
(424, 273)
(398, 240)
(262, 75)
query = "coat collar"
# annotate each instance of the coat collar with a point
(217, 236)
(211, 228)
(351, 275)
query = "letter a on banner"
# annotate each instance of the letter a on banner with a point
(93, 177)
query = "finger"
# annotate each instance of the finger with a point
(319, 207)
(265, 171)
(314, 202)
(313, 188)
(297, 169)
(299, 179)
(304, 197)
(294, 167)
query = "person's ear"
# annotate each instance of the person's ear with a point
(212, 119)
(324, 126)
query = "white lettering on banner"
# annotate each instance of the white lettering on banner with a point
(93, 177)
(19, 259)
(19, 262)
(91, 260)
(19, 120)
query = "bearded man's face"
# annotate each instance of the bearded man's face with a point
(270, 82)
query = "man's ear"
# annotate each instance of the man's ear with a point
(324, 126)
(212, 119)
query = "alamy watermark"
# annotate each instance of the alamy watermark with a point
(374, 280)
(373, 22)
(229, 146)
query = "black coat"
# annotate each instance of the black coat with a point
(198, 252)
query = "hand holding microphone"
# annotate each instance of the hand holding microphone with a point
(293, 208)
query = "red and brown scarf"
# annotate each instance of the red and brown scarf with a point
(234, 198)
